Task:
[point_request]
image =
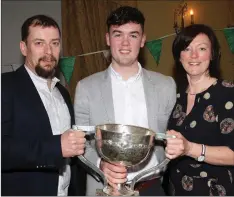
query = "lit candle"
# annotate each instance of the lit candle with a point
(192, 17)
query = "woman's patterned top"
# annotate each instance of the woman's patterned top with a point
(210, 122)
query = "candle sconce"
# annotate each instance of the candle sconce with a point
(180, 14)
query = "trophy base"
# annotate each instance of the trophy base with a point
(100, 192)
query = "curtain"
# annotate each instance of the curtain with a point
(83, 31)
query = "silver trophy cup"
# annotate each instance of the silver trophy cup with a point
(123, 145)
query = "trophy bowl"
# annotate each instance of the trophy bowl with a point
(125, 145)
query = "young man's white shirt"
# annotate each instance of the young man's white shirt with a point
(130, 109)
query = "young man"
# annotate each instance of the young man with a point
(37, 115)
(125, 93)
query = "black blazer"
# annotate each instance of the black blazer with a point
(31, 154)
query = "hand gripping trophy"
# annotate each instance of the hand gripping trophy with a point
(123, 145)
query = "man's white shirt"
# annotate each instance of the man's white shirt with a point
(59, 117)
(130, 109)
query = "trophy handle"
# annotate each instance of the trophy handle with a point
(163, 136)
(153, 169)
(96, 172)
(158, 136)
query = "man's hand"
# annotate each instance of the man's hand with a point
(114, 173)
(73, 143)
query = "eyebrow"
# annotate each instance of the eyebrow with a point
(135, 32)
(39, 39)
(132, 32)
(205, 43)
(116, 31)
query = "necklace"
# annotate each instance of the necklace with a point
(202, 90)
(188, 91)
(192, 93)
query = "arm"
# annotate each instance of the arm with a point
(81, 105)
(20, 151)
(81, 110)
(171, 97)
(48, 153)
(215, 155)
(82, 118)
(114, 174)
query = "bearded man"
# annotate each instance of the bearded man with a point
(37, 114)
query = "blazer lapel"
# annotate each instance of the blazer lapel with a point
(106, 92)
(33, 100)
(151, 100)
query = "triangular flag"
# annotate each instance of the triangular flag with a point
(229, 34)
(155, 48)
(66, 65)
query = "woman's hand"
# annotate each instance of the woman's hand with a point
(177, 146)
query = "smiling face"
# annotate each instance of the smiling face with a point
(41, 50)
(197, 56)
(125, 42)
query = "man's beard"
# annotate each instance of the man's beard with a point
(45, 73)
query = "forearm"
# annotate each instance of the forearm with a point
(19, 153)
(172, 96)
(215, 155)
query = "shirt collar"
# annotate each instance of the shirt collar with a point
(119, 77)
(39, 80)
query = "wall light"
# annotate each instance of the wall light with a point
(179, 14)
(192, 16)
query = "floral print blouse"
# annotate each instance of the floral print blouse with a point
(210, 122)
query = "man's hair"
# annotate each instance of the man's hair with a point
(125, 14)
(37, 20)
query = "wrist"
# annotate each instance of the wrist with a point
(188, 152)
(201, 158)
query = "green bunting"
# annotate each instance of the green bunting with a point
(155, 48)
(229, 34)
(66, 65)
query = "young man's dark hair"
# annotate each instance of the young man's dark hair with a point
(125, 14)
